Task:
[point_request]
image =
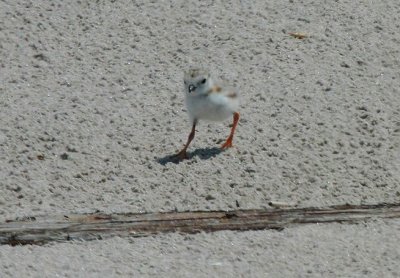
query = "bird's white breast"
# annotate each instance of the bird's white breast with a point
(213, 107)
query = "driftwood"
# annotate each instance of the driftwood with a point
(42, 230)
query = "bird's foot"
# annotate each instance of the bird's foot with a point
(182, 155)
(227, 144)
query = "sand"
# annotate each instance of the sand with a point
(91, 109)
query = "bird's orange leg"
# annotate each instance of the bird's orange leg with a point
(182, 154)
(228, 142)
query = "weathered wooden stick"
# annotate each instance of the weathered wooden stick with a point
(42, 230)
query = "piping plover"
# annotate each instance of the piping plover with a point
(208, 100)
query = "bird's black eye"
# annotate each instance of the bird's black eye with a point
(203, 81)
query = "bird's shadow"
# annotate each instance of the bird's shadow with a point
(203, 153)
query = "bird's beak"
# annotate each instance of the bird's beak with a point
(191, 88)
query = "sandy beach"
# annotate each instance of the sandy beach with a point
(92, 108)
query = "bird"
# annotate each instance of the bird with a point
(207, 99)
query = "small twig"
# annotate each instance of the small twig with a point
(298, 35)
(277, 204)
